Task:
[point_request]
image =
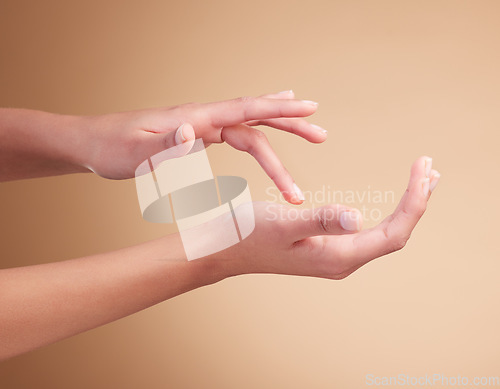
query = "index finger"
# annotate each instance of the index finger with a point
(232, 112)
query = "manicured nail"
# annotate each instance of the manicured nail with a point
(298, 192)
(286, 92)
(434, 182)
(425, 186)
(349, 220)
(310, 102)
(428, 167)
(179, 136)
(316, 127)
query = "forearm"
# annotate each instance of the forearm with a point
(45, 303)
(37, 144)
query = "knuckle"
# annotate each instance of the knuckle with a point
(259, 140)
(327, 218)
(186, 107)
(260, 136)
(245, 104)
(244, 100)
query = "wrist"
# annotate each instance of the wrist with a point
(74, 144)
(224, 264)
(202, 271)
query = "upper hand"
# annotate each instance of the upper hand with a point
(118, 143)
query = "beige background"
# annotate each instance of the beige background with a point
(395, 80)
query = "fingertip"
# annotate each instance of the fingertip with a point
(299, 196)
(311, 103)
(423, 173)
(294, 195)
(184, 133)
(420, 165)
(292, 198)
(427, 166)
(286, 94)
(420, 169)
(320, 134)
(310, 106)
(351, 220)
(435, 176)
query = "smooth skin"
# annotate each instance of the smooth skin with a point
(45, 303)
(39, 144)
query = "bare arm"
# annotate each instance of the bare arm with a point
(45, 303)
(37, 144)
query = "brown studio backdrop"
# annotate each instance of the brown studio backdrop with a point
(395, 80)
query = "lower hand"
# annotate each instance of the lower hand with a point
(328, 243)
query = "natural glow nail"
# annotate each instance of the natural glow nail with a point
(310, 102)
(428, 166)
(425, 186)
(349, 220)
(316, 127)
(298, 192)
(179, 136)
(434, 181)
(286, 92)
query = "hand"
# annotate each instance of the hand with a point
(118, 143)
(55, 298)
(328, 243)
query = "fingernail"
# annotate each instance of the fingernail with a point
(434, 181)
(425, 186)
(179, 136)
(286, 92)
(428, 166)
(349, 220)
(310, 102)
(316, 127)
(298, 192)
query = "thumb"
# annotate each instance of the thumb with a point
(328, 220)
(183, 134)
(161, 147)
(155, 143)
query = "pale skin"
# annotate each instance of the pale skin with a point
(45, 303)
(39, 144)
